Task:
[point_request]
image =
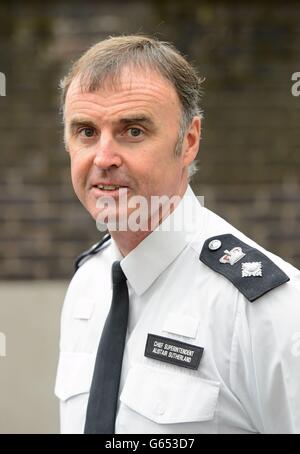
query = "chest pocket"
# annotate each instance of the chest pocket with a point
(74, 374)
(167, 398)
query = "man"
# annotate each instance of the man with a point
(211, 319)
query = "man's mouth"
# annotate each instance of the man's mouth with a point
(108, 187)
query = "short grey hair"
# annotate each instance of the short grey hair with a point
(104, 61)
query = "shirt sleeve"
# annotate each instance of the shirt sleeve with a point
(265, 359)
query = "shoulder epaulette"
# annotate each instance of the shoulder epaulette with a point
(91, 251)
(251, 271)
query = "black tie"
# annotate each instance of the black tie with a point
(103, 398)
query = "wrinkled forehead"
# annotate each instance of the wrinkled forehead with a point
(140, 83)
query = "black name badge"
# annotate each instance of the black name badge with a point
(173, 352)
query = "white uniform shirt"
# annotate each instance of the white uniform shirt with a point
(248, 380)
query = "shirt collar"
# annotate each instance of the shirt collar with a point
(144, 264)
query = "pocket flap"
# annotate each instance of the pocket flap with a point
(84, 309)
(74, 374)
(167, 397)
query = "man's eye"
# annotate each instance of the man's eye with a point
(87, 132)
(135, 132)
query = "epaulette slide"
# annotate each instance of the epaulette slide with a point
(251, 271)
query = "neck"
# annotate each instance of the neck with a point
(129, 240)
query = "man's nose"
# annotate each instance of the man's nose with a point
(107, 153)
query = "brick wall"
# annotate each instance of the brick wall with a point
(249, 157)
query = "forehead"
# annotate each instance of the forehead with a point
(142, 91)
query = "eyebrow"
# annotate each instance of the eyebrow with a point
(136, 119)
(131, 119)
(76, 122)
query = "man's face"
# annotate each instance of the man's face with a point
(125, 136)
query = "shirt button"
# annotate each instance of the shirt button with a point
(160, 408)
(214, 245)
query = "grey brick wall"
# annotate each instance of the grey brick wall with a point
(249, 157)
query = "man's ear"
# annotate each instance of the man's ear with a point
(192, 141)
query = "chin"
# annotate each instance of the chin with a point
(110, 220)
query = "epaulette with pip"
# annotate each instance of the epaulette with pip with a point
(251, 271)
(91, 251)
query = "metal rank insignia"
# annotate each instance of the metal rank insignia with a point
(251, 269)
(232, 256)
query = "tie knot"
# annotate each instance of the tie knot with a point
(117, 273)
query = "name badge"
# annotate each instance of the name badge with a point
(173, 351)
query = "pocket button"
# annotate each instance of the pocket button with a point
(160, 408)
